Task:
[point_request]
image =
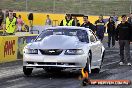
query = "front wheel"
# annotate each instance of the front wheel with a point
(27, 71)
(102, 60)
(88, 64)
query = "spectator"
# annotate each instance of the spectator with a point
(123, 34)
(14, 15)
(87, 24)
(68, 21)
(19, 23)
(117, 22)
(77, 23)
(4, 21)
(1, 18)
(111, 32)
(30, 18)
(10, 24)
(48, 21)
(6, 13)
(115, 18)
(100, 27)
(130, 19)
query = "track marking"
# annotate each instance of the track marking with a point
(110, 63)
(18, 79)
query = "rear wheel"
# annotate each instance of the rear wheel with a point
(27, 71)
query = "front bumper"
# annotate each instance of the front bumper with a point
(61, 61)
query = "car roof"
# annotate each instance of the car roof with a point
(68, 27)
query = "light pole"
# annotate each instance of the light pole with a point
(26, 5)
(54, 6)
(79, 6)
(130, 6)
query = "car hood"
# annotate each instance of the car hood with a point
(58, 42)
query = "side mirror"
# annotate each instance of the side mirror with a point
(32, 40)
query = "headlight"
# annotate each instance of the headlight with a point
(31, 51)
(74, 52)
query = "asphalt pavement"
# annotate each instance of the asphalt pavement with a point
(11, 74)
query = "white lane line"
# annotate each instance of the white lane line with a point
(10, 72)
(110, 63)
(116, 50)
(112, 55)
(107, 65)
(20, 85)
(10, 67)
(112, 50)
(18, 79)
(102, 70)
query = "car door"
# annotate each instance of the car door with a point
(95, 46)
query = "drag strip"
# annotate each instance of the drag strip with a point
(11, 75)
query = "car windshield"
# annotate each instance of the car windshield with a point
(80, 34)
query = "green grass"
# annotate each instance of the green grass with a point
(89, 7)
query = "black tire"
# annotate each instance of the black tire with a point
(27, 71)
(88, 64)
(103, 58)
(84, 82)
(96, 70)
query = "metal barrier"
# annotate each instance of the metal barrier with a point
(55, 22)
(34, 31)
(38, 29)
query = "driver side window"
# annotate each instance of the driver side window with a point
(92, 38)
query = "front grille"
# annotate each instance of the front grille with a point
(46, 63)
(30, 62)
(51, 51)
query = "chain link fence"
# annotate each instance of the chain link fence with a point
(89, 7)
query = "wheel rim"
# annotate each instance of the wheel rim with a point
(89, 67)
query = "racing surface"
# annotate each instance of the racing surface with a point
(11, 74)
